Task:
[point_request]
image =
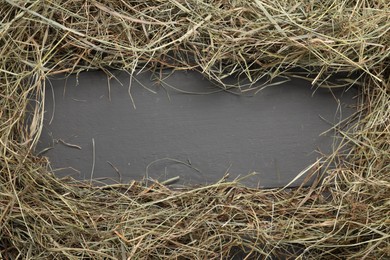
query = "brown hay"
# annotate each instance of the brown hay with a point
(45, 217)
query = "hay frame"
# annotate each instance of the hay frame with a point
(344, 215)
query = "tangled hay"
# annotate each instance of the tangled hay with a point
(345, 214)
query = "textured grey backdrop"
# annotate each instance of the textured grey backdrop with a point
(166, 133)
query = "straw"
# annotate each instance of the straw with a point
(343, 215)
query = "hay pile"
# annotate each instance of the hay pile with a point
(42, 217)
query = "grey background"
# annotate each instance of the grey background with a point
(198, 137)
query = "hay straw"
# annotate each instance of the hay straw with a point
(345, 215)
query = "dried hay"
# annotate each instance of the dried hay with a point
(344, 215)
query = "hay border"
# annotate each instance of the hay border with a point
(45, 217)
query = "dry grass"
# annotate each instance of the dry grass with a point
(346, 215)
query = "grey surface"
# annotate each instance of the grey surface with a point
(196, 137)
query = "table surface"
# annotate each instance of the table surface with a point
(186, 126)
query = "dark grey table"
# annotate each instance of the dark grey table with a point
(198, 133)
